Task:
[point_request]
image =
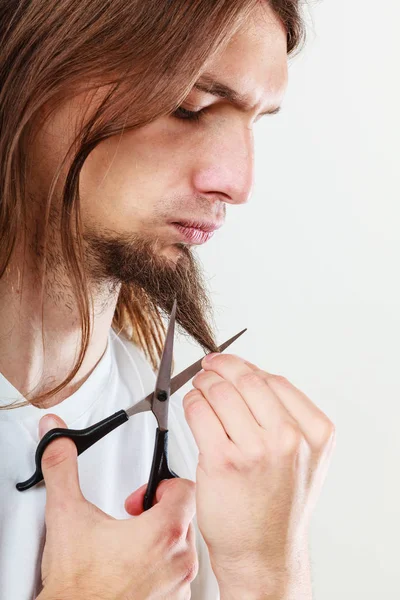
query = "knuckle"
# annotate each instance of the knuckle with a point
(225, 462)
(190, 488)
(251, 378)
(195, 408)
(279, 379)
(330, 429)
(229, 465)
(56, 453)
(190, 567)
(193, 403)
(256, 454)
(220, 389)
(201, 378)
(221, 360)
(190, 396)
(290, 439)
(327, 433)
(173, 535)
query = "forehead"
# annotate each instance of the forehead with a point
(254, 62)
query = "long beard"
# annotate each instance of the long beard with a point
(134, 261)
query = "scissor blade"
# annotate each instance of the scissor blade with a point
(225, 345)
(179, 380)
(184, 376)
(164, 372)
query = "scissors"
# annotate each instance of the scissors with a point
(157, 402)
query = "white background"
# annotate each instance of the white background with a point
(311, 267)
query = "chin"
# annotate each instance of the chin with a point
(172, 252)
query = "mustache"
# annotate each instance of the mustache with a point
(192, 209)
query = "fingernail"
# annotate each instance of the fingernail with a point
(208, 358)
(46, 423)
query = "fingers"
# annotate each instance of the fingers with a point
(315, 425)
(134, 502)
(272, 398)
(176, 503)
(134, 507)
(317, 428)
(228, 405)
(207, 429)
(260, 399)
(59, 466)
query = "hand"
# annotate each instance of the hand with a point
(90, 555)
(264, 449)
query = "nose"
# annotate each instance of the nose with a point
(225, 165)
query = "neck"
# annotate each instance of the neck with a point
(41, 352)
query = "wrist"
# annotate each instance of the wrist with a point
(272, 588)
(246, 594)
(60, 595)
(248, 581)
(262, 580)
(49, 593)
(243, 588)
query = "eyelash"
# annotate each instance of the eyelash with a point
(187, 115)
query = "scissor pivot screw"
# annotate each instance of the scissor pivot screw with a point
(162, 396)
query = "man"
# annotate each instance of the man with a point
(126, 130)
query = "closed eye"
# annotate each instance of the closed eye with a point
(188, 115)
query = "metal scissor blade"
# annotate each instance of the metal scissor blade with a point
(184, 376)
(179, 380)
(142, 406)
(164, 372)
(225, 345)
(159, 401)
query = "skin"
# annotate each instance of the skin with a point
(201, 168)
(90, 555)
(264, 446)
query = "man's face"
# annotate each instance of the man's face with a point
(167, 184)
(176, 170)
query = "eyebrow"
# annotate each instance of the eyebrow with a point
(206, 83)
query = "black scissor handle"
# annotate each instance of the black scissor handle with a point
(159, 468)
(82, 438)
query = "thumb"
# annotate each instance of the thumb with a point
(177, 499)
(59, 465)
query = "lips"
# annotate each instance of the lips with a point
(195, 232)
(201, 225)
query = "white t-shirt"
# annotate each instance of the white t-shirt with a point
(108, 471)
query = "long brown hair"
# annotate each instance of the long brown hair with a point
(150, 54)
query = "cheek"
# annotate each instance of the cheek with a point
(117, 185)
(126, 180)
